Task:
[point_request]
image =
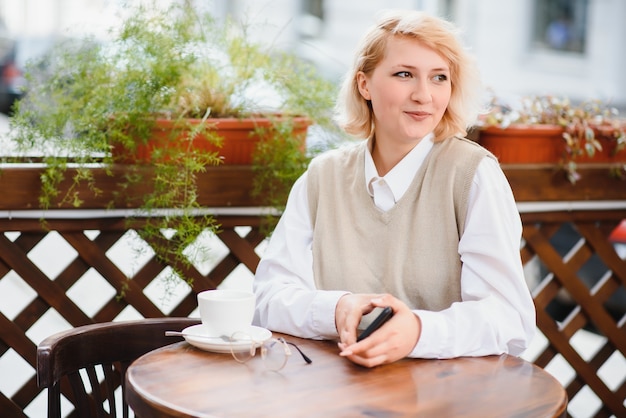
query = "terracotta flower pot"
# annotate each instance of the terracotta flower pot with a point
(239, 139)
(524, 144)
(543, 144)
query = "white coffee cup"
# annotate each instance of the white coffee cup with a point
(226, 311)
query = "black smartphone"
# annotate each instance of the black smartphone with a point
(383, 317)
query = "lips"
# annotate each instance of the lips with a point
(419, 115)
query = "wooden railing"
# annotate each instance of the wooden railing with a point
(581, 279)
(549, 205)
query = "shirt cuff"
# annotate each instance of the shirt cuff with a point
(323, 312)
(434, 335)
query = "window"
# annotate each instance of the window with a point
(561, 25)
(311, 19)
(314, 8)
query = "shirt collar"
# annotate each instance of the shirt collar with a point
(399, 177)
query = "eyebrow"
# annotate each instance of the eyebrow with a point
(412, 67)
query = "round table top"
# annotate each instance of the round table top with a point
(182, 380)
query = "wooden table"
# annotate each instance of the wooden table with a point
(181, 381)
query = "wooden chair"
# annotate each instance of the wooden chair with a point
(111, 345)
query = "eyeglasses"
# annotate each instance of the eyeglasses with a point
(275, 352)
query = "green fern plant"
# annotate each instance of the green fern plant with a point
(88, 97)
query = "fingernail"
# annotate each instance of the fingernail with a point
(377, 300)
(343, 351)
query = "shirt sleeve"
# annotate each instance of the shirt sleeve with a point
(496, 314)
(287, 298)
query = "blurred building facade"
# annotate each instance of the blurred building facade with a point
(573, 48)
(562, 47)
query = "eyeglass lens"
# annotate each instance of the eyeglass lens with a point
(274, 352)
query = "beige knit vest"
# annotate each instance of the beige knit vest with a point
(410, 251)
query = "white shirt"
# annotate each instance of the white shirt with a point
(496, 315)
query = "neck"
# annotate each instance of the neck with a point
(386, 155)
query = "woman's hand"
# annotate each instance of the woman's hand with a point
(348, 313)
(392, 342)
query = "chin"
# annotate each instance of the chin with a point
(419, 135)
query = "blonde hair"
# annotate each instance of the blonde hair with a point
(354, 113)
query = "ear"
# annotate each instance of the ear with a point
(361, 82)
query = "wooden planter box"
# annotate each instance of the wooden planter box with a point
(222, 186)
(231, 186)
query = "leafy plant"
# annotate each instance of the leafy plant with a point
(88, 97)
(583, 125)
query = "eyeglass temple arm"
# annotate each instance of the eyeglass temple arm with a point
(304, 356)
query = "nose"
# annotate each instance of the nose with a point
(421, 91)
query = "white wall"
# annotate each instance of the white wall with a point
(500, 38)
(345, 23)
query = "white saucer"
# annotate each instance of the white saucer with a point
(198, 336)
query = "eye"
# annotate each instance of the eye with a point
(403, 74)
(440, 77)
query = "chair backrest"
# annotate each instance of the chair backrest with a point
(111, 346)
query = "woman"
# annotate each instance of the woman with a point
(413, 217)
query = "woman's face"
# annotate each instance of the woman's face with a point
(409, 90)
